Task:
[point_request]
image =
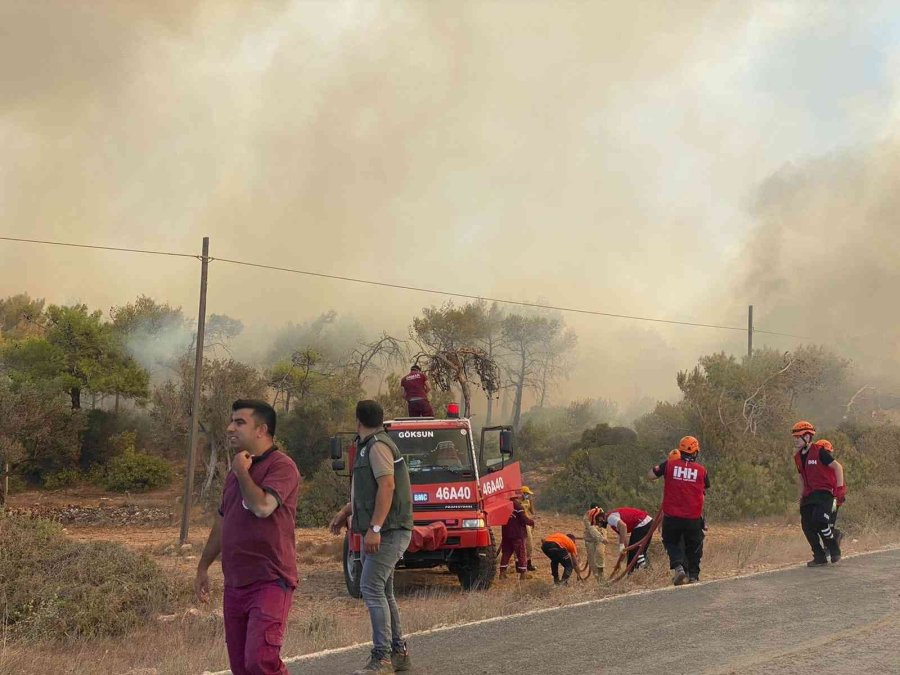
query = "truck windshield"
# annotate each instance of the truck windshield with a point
(435, 455)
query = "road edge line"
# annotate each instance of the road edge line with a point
(543, 610)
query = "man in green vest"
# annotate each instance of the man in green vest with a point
(380, 509)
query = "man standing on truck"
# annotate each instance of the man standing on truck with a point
(561, 550)
(513, 541)
(631, 525)
(380, 509)
(594, 541)
(254, 532)
(684, 491)
(415, 391)
(822, 490)
(528, 505)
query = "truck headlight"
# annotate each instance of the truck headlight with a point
(474, 523)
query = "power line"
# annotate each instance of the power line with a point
(535, 305)
(102, 248)
(384, 284)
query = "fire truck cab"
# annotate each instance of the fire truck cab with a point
(466, 487)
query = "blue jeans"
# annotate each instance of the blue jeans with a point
(377, 586)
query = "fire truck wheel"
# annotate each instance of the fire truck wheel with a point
(352, 569)
(476, 571)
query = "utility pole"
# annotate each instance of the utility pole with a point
(750, 332)
(195, 402)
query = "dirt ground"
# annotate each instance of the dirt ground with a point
(190, 640)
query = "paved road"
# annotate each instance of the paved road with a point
(834, 619)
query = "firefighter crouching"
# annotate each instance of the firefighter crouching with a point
(822, 491)
(684, 490)
(561, 550)
(594, 541)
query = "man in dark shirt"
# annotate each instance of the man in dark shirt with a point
(254, 532)
(415, 391)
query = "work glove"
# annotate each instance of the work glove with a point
(621, 547)
(840, 494)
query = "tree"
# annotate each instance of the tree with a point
(448, 339)
(21, 316)
(376, 355)
(40, 435)
(78, 352)
(147, 316)
(536, 344)
(223, 381)
(492, 340)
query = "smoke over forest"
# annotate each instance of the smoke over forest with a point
(674, 162)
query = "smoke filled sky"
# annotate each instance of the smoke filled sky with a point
(673, 160)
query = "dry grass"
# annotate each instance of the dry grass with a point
(325, 617)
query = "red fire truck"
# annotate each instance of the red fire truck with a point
(467, 488)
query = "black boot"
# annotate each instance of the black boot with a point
(816, 562)
(531, 567)
(834, 546)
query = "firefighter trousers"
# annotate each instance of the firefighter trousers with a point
(683, 539)
(817, 521)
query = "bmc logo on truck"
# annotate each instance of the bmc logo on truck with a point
(683, 473)
(492, 486)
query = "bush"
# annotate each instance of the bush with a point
(134, 471)
(321, 496)
(54, 588)
(613, 475)
(62, 479)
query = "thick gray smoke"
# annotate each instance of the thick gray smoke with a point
(825, 259)
(588, 154)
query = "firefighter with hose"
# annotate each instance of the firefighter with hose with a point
(561, 550)
(684, 491)
(594, 542)
(528, 505)
(822, 491)
(631, 525)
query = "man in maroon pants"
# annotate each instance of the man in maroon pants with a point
(513, 541)
(415, 391)
(254, 532)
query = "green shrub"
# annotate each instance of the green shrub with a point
(134, 471)
(321, 496)
(54, 588)
(871, 508)
(613, 475)
(62, 479)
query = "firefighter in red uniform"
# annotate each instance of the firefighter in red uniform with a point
(822, 490)
(415, 391)
(684, 490)
(631, 525)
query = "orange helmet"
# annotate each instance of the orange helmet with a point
(674, 455)
(688, 446)
(595, 513)
(802, 428)
(825, 444)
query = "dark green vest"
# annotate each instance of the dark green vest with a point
(365, 487)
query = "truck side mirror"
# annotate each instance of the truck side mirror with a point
(337, 464)
(506, 442)
(336, 448)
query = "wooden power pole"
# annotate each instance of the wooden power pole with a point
(195, 401)
(750, 332)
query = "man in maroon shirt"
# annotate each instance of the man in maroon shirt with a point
(254, 532)
(415, 391)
